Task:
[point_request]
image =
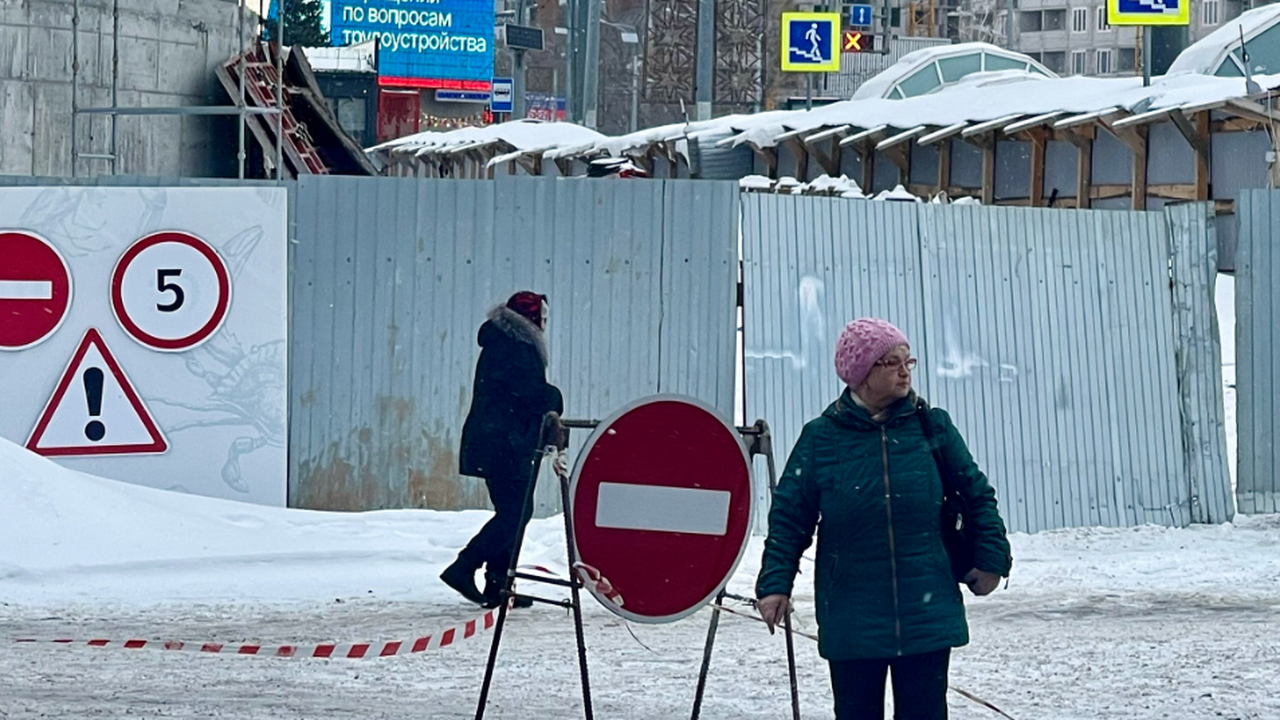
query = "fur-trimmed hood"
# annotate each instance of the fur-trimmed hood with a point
(517, 327)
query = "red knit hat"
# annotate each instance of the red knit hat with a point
(528, 304)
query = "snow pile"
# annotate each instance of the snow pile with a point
(67, 536)
(823, 185)
(898, 194)
(842, 186)
(756, 183)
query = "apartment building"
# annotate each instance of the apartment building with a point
(1072, 37)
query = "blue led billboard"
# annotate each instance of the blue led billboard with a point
(422, 43)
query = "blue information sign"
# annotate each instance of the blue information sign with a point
(422, 43)
(809, 42)
(503, 95)
(860, 15)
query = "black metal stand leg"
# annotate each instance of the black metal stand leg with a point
(493, 658)
(791, 667)
(706, 656)
(505, 593)
(577, 601)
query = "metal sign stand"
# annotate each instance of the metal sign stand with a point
(759, 442)
(555, 433)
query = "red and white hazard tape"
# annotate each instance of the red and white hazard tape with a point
(434, 641)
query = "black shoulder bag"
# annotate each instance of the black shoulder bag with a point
(956, 539)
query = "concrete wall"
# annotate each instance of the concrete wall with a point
(167, 52)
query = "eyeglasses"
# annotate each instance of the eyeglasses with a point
(897, 365)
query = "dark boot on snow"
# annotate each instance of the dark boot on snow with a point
(461, 576)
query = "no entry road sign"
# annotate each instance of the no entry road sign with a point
(661, 505)
(35, 290)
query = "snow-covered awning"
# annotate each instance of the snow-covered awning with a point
(520, 136)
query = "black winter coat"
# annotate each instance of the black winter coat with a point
(510, 396)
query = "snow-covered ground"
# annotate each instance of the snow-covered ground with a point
(1136, 623)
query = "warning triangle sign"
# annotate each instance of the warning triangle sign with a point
(94, 409)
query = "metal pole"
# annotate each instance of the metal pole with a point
(1146, 56)
(1008, 24)
(570, 92)
(808, 91)
(531, 482)
(635, 90)
(75, 81)
(517, 82)
(517, 87)
(115, 82)
(280, 92)
(588, 713)
(706, 657)
(493, 658)
(705, 73)
(766, 447)
(591, 65)
(241, 69)
(791, 664)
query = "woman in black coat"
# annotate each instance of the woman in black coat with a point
(500, 437)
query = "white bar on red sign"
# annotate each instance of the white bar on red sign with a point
(665, 509)
(26, 290)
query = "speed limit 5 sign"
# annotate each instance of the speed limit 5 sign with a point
(170, 291)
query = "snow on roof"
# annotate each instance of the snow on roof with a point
(977, 98)
(882, 84)
(982, 99)
(716, 129)
(524, 135)
(353, 58)
(1204, 57)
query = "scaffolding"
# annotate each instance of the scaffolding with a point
(240, 109)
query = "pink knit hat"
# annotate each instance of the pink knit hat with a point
(861, 344)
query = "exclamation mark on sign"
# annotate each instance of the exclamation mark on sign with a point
(95, 430)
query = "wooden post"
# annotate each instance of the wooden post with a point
(989, 169)
(1139, 192)
(944, 165)
(1203, 168)
(1037, 136)
(802, 159)
(868, 153)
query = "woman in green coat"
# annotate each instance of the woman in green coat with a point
(866, 476)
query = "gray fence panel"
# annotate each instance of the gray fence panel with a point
(699, 263)
(1257, 362)
(1194, 248)
(392, 278)
(810, 265)
(1047, 334)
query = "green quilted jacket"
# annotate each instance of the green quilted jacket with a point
(872, 490)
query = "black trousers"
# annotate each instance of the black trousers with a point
(919, 687)
(494, 545)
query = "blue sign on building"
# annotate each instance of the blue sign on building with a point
(444, 44)
(860, 15)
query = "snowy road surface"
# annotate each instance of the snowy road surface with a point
(1139, 623)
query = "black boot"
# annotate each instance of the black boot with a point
(461, 576)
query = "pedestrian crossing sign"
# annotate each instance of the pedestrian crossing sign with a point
(1149, 12)
(809, 42)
